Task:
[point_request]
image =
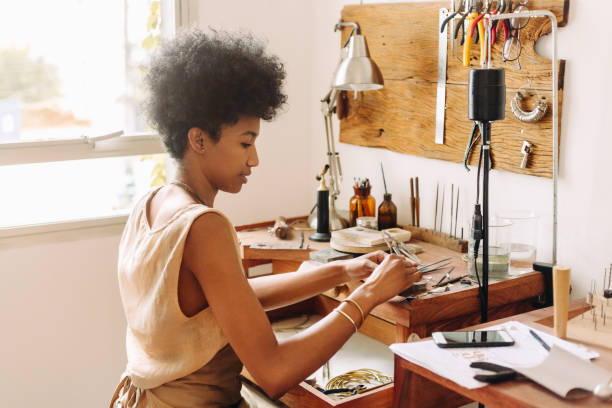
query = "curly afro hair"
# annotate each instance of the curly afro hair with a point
(210, 80)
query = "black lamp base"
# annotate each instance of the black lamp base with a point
(320, 236)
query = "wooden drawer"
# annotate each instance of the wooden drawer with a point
(304, 395)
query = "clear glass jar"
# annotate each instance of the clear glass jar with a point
(362, 204)
(499, 252)
(523, 236)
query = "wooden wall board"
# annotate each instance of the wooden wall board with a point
(403, 40)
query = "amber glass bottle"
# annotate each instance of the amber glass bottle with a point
(387, 214)
(362, 204)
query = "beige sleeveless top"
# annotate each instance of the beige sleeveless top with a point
(173, 360)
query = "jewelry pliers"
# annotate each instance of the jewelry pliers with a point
(501, 373)
(474, 20)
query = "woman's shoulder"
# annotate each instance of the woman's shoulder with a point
(211, 220)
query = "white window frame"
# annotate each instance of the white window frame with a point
(183, 13)
(110, 145)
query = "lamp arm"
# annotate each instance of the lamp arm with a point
(328, 106)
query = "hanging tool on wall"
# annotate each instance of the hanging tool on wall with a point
(502, 5)
(472, 141)
(475, 20)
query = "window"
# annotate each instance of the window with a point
(72, 139)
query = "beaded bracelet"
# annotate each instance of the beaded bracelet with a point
(348, 317)
(358, 307)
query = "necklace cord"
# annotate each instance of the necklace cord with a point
(188, 189)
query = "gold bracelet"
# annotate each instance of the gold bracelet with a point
(358, 307)
(348, 317)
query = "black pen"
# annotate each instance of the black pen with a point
(539, 339)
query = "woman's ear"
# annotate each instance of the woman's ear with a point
(196, 139)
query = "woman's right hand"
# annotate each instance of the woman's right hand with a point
(394, 274)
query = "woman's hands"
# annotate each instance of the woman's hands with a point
(363, 266)
(393, 275)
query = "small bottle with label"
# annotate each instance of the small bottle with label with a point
(387, 214)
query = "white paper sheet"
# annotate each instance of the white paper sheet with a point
(562, 372)
(454, 364)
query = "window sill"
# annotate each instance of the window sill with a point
(62, 226)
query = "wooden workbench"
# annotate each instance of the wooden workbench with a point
(416, 386)
(392, 321)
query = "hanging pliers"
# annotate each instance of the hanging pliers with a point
(475, 20)
(502, 6)
(474, 136)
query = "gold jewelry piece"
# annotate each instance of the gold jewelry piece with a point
(348, 317)
(189, 189)
(365, 377)
(358, 307)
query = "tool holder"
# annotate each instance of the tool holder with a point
(404, 40)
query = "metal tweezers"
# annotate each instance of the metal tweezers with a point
(430, 266)
(399, 248)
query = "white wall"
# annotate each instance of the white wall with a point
(284, 183)
(62, 342)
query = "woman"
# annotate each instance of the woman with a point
(193, 318)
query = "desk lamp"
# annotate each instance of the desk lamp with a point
(356, 72)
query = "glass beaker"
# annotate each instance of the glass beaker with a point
(523, 236)
(499, 252)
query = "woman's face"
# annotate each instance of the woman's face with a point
(228, 162)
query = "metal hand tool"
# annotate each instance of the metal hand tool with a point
(421, 267)
(433, 268)
(399, 248)
(474, 20)
(436, 210)
(456, 212)
(474, 136)
(412, 209)
(501, 373)
(445, 276)
(455, 280)
(447, 21)
(417, 203)
(450, 232)
(442, 209)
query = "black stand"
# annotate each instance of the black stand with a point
(486, 104)
(486, 152)
(322, 234)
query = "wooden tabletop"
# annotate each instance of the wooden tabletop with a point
(415, 386)
(440, 311)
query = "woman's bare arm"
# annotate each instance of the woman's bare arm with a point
(275, 367)
(274, 291)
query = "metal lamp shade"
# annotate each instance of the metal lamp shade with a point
(358, 72)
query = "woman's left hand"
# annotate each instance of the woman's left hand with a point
(362, 267)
